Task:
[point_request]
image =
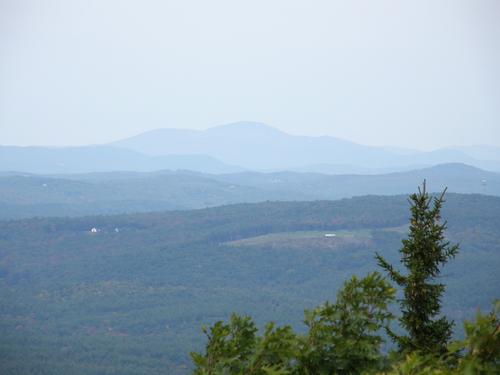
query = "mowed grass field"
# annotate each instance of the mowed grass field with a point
(321, 239)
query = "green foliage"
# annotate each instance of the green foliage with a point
(234, 348)
(342, 337)
(481, 343)
(132, 302)
(416, 364)
(423, 253)
(477, 354)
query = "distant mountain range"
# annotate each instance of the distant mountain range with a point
(236, 147)
(49, 160)
(24, 195)
(257, 146)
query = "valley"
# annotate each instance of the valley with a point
(134, 300)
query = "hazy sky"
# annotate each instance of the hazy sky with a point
(419, 74)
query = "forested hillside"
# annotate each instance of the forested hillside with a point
(131, 296)
(24, 196)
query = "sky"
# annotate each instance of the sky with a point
(418, 74)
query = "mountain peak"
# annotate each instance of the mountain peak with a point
(455, 167)
(258, 146)
(245, 126)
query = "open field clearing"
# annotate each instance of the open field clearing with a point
(307, 239)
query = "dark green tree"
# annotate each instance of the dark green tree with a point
(344, 337)
(236, 349)
(423, 253)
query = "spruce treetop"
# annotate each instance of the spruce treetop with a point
(423, 253)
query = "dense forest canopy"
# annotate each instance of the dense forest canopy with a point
(130, 298)
(345, 337)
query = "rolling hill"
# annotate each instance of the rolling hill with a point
(119, 192)
(131, 297)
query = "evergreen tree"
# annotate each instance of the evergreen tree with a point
(423, 254)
